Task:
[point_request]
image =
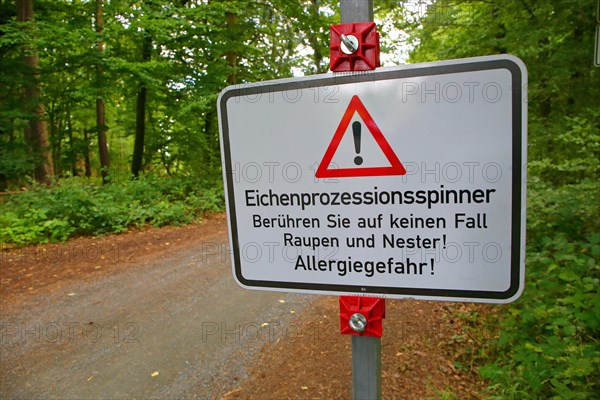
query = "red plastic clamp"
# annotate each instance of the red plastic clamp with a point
(371, 308)
(365, 55)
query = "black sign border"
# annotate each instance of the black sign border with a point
(343, 79)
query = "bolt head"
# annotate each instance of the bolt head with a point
(358, 322)
(353, 44)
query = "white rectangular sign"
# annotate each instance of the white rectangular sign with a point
(404, 182)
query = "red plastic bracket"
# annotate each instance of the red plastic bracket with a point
(365, 58)
(372, 308)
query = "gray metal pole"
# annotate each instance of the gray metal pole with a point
(366, 368)
(366, 350)
(356, 11)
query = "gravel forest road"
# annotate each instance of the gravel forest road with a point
(115, 318)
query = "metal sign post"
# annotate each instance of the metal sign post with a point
(366, 345)
(362, 317)
(356, 11)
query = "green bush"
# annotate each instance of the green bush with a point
(81, 207)
(549, 343)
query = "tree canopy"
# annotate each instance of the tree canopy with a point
(153, 69)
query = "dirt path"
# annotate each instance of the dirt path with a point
(156, 314)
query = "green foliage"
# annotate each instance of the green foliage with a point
(80, 207)
(14, 159)
(549, 343)
(446, 394)
(549, 347)
(570, 210)
(198, 48)
(571, 147)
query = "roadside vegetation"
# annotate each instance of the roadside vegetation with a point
(547, 345)
(86, 106)
(78, 206)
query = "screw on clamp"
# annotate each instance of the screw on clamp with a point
(354, 46)
(349, 44)
(358, 322)
(361, 316)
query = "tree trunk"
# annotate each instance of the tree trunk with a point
(86, 154)
(231, 56)
(56, 134)
(100, 111)
(102, 142)
(72, 148)
(210, 119)
(37, 132)
(140, 115)
(140, 132)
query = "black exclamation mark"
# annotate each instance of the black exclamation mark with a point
(356, 131)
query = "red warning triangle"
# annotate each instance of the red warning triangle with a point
(396, 168)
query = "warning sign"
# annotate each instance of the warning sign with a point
(406, 182)
(357, 107)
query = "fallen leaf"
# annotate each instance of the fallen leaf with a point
(232, 392)
(155, 373)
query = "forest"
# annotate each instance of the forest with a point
(108, 121)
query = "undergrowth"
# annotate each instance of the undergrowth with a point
(78, 206)
(548, 345)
